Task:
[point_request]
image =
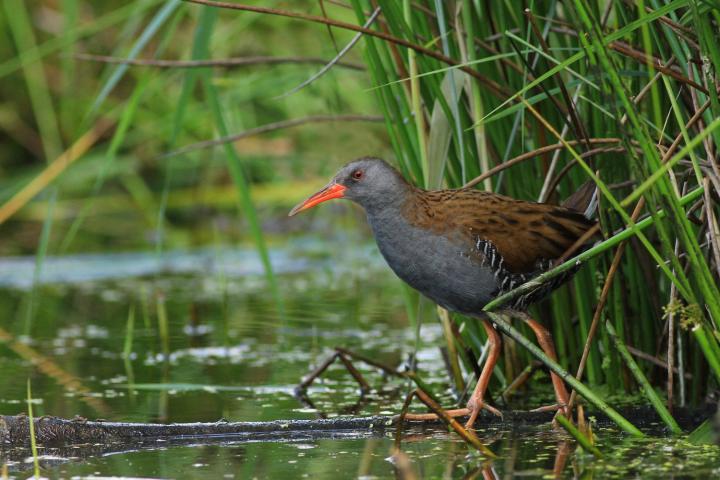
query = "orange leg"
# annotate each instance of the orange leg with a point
(426, 417)
(546, 343)
(477, 400)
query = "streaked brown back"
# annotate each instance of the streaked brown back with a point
(524, 233)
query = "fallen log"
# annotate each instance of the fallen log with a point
(56, 432)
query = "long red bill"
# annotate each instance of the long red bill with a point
(334, 190)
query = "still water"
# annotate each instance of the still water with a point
(91, 339)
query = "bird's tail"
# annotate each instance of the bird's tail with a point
(584, 200)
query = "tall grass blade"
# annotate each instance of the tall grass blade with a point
(584, 442)
(648, 390)
(33, 441)
(153, 26)
(235, 168)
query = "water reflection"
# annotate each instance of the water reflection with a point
(427, 452)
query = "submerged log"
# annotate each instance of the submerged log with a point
(57, 432)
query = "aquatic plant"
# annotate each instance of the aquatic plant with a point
(534, 102)
(625, 95)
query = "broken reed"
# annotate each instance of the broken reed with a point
(503, 82)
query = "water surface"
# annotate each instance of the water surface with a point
(230, 354)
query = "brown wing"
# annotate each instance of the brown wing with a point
(524, 233)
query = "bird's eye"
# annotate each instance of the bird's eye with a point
(357, 174)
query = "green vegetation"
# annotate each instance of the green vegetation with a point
(583, 440)
(622, 91)
(31, 423)
(526, 103)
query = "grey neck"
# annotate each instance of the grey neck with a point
(386, 219)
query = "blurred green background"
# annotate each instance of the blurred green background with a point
(123, 194)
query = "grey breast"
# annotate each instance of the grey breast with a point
(446, 271)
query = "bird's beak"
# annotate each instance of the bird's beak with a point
(333, 190)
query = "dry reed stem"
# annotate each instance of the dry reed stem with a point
(223, 62)
(52, 171)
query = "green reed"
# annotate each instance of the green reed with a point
(603, 55)
(33, 440)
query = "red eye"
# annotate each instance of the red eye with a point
(357, 174)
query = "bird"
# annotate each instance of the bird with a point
(463, 248)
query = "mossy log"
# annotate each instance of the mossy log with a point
(58, 432)
(55, 431)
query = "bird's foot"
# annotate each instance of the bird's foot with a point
(426, 417)
(475, 406)
(552, 408)
(472, 410)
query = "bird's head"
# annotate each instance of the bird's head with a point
(370, 182)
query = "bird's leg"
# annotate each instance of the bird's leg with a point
(430, 417)
(477, 399)
(546, 343)
(440, 414)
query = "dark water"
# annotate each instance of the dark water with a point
(229, 354)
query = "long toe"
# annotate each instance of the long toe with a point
(551, 408)
(471, 421)
(428, 417)
(475, 407)
(493, 410)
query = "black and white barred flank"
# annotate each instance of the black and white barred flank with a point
(507, 281)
